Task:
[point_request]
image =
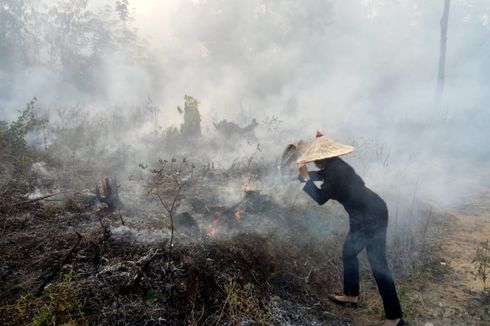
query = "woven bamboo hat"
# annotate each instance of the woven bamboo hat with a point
(322, 148)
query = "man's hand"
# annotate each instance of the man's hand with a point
(303, 170)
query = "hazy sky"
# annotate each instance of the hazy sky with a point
(351, 56)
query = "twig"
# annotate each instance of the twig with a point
(30, 201)
(101, 247)
(226, 303)
(120, 216)
(170, 211)
(56, 270)
(307, 278)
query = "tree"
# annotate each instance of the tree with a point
(12, 33)
(72, 43)
(123, 10)
(442, 53)
(192, 118)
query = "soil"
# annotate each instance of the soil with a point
(458, 300)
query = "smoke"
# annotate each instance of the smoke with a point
(361, 71)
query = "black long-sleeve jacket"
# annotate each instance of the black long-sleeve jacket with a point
(340, 182)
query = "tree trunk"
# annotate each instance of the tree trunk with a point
(442, 53)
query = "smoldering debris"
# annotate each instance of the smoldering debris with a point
(240, 254)
(123, 233)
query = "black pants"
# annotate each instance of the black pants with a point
(374, 241)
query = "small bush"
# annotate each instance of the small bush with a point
(481, 263)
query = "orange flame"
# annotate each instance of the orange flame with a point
(217, 219)
(212, 231)
(214, 227)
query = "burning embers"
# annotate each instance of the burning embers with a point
(212, 231)
(223, 222)
(229, 219)
(214, 221)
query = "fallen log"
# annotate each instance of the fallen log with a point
(30, 201)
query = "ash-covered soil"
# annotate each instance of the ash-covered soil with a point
(256, 261)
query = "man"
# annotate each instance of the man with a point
(368, 220)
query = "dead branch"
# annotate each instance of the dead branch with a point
(101, 246)
(58, 268)
(145, 261)
(30, 201)
(120, 216)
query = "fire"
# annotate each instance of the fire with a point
(212, 231)
(214, 227)
(217, 219)
(248, 185)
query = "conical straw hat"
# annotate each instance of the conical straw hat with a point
(322, 148)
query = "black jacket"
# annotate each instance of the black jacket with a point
(340, 182)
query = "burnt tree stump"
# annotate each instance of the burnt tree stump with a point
(110, 194)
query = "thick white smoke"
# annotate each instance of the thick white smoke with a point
(362, 71)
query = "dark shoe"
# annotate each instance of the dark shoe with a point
(332, 297)
(401, 322)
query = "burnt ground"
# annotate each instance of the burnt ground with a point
(84, 266)
(254, 258)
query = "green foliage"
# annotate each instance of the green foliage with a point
(17, 157)
(12, 138)
(191, 102)
(242, 301)
(59, 306)
(407, 301)
(153, 296)
(192, 118)
(66, 36)
(481, 263)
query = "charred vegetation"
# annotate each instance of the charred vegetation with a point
(180, 241)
